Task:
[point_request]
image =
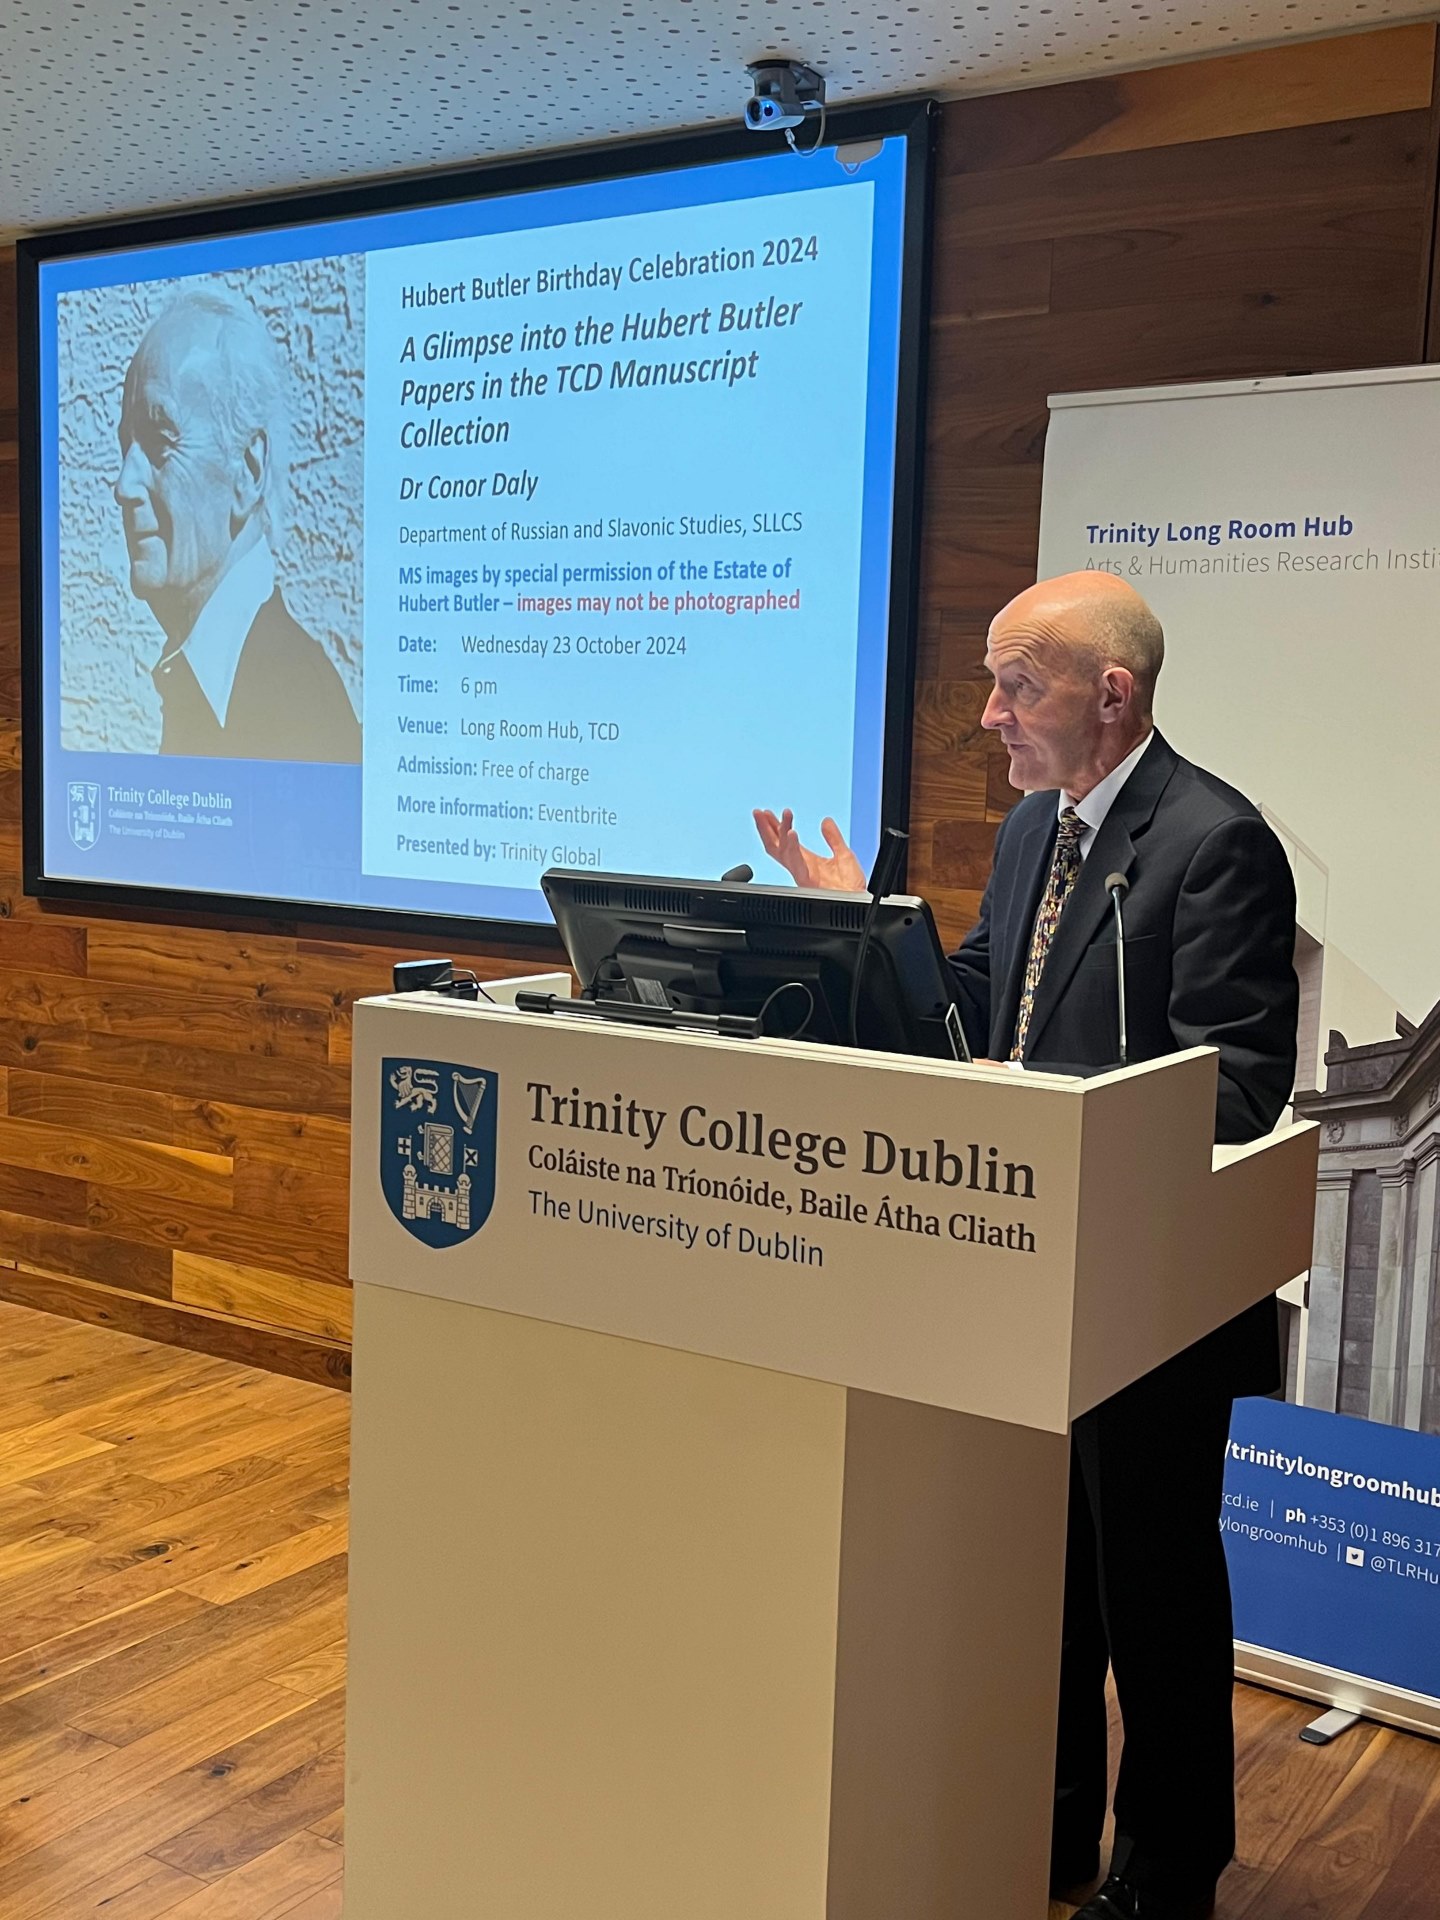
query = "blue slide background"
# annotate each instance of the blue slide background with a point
(293, 832)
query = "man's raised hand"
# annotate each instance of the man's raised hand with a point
(837, 872)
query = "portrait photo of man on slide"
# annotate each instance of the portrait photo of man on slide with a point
(203, 431)
(1209, 950)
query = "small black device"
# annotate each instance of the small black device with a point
(436, 976)
(785, 957)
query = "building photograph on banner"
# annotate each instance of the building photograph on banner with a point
(1287, 533)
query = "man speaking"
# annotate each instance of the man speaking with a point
(1210, 934)
(202, 430)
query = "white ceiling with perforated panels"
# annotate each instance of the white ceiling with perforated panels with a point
(116, 106)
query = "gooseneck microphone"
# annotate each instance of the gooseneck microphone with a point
(883, 876)
(1117, 886)
(886, 870)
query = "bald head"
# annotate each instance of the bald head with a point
(1091, 621)
(1075, 661)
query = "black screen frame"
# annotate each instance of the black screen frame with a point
(914, 120)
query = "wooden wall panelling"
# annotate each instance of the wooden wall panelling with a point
(174, 1099)
(255, 1293)
(81, 1252)
(1301, 85)
(1352, 77)
(312, 1086)
(41, 1196)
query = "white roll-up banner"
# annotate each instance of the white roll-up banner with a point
(1287, 533)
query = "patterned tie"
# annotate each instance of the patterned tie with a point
(1064, 870)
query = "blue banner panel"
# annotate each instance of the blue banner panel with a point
(1332, 1530)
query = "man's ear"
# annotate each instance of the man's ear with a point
(252, 474)
(1117, 694)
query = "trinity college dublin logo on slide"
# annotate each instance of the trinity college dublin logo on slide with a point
(84, 814)
(437, 1147)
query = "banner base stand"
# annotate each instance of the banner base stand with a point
(1349, 1692)
(1329, 1727)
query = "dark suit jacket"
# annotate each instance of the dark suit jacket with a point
(287, 703)
(1209, 952)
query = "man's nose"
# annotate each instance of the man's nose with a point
(131, 480)
(996, 713)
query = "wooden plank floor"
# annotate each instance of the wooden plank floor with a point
(172, 1664)
(1345, 1832)
(172, 1622)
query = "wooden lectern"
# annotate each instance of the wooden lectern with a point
(711, 1457)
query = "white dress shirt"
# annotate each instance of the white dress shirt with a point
(218, 636)
(1101, 797)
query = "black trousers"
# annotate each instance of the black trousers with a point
(1147, 1594)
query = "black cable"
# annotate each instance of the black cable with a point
(462, 980)
(772, 997)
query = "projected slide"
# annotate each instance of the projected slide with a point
(387, 561)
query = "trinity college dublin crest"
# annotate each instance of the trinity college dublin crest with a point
(83, 813)
(437, 1147)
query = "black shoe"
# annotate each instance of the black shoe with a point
(1121, 1900)
(1073, 1873)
